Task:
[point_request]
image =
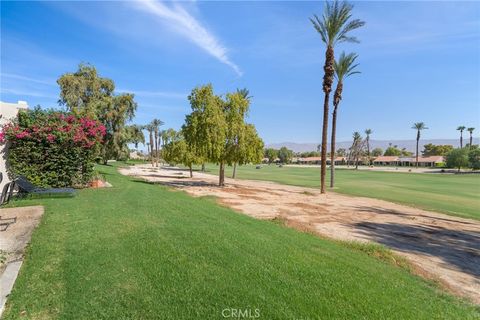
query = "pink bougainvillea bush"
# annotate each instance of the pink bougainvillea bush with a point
(52, 148)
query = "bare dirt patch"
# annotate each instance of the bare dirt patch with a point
(17, 228)
(440, 247)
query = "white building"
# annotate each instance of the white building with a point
(8, 111)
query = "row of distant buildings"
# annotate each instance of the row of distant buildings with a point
(431, 161)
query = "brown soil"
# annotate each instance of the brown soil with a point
(17, 228)
(440, 247)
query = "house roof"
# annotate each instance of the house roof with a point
(310, 159)
(386, 159)
(431, 159)
(408, 159)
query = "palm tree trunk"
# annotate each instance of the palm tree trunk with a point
(234, 175)
(332, 147)
(461, 139)
(221, 176)
(323, 155)
(416, 156)
(471, 140)
(368, 150)
(327, 87)
(156, 148)
(151, 149)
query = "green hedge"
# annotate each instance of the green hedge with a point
(52, 148)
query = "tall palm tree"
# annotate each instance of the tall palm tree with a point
(344, 67)
(419, 126)
(149, 127)
(137, 136)
(356, 147)
(156, 123)
(471, 136)
(461, 128)
(368, 132)
(245, 93)
(334, 28)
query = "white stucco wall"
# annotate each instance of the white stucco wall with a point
(8, 111)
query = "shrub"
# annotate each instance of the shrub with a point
(52, 148)
(458, 158)
(474, 158)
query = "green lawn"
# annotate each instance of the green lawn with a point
(141, 251)
(457, 195)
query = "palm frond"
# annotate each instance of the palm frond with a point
(345, 65)
(320, 27)
(352, 25)
(419, 126)
(335, 25)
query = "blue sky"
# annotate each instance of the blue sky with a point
(420, 61)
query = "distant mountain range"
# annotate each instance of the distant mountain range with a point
(409, 145)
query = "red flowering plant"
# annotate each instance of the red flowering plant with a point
(52, 148)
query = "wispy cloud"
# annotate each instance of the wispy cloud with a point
(28, 93)
(163, 94)
(187, 25)
(29, 79)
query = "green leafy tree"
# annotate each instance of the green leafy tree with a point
(285, 155)
(271, 154)
(377, 152)
(406, 153)
(314, 154)
(176, 151)
(344, 67)
(458, 158)
(470, 130)
(85, 93)
(236, 109)
(393, 151)
(436, 150)
(205, 128)
(334, 28)
(341, 152)
(216, 129)
(474, 157)
(419, 126)
(250, 148)
(135, 135)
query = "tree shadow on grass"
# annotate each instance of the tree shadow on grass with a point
(179, 183)
(456, 247)
(400, 213)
